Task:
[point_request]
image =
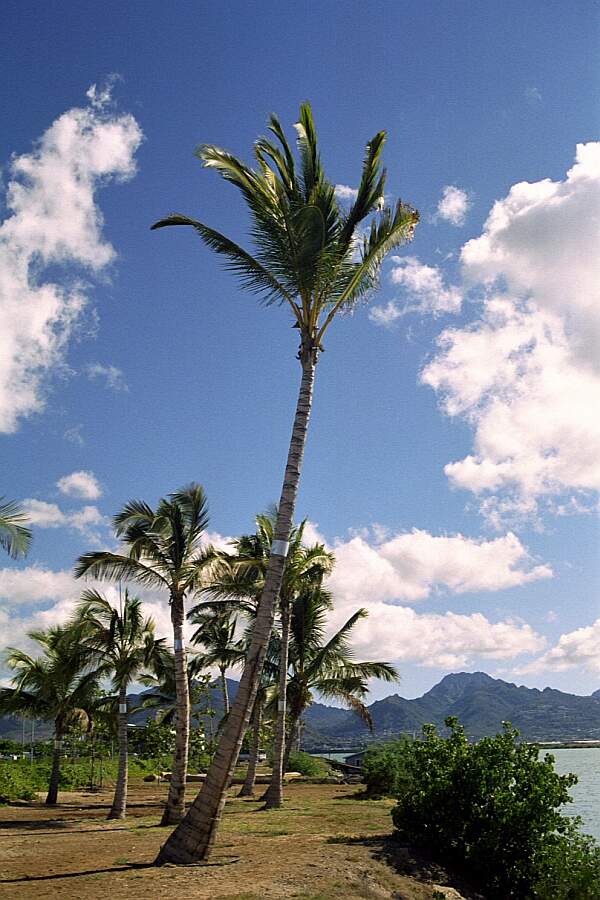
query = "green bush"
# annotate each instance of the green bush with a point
(385, 768)
(311, 766)
(493, 810)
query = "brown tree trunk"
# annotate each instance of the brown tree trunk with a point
(175, 808)
(119, 804)
(194, 837)
(292, 738)
(52, 796)
(248, 785)
(274, 794)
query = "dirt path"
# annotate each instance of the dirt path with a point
(323, 845)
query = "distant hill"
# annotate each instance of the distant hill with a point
(480, 702)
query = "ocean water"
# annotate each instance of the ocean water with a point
(585, 763)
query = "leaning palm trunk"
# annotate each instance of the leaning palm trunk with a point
(175, 807)
(52, 796)
(119, 804)
(248, 785)
(274, 793)
(193, 839)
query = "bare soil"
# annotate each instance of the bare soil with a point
(325, 844)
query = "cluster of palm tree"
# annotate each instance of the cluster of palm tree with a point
(317, 259)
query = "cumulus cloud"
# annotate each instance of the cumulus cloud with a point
(575, 648)
(526, 374)
(453, 206)
(411, 565)
(425, 290)
(87, 521)
(80, 484)
(54, 220)
(345, 193)
(112, 377)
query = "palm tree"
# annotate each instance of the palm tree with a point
(165, 551)
(220, 647)
(312, 257)
(241, 576)
(58, 685)
(124, 645)
(326, 667)
(15, 536)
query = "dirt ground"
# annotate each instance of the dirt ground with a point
(324, 844)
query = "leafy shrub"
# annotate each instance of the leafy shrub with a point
(311, 766)
(492, 809)
(385, 768)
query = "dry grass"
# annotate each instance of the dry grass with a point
(325, 844)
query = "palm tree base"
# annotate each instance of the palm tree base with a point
(116, 814)
(169, 817)
(246, 792)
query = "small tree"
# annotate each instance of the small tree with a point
(57, 685)
(490, 808)
(125, 646)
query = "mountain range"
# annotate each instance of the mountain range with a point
(480, 702)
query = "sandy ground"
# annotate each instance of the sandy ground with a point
(324, 844)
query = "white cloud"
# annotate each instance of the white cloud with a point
(74, 436)
(424, 287)
(453, 206)
(54, 220)
(345, 193)
(575, 648)
(87, 521)
(446, 640)
(526, 373)
(411, 565)
(80, 484)
(112, 376)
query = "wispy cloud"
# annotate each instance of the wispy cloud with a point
(345, 193)
(112, 377)
(425, 289)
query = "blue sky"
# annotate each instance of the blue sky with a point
(167, 372)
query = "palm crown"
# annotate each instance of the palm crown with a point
(309, 252)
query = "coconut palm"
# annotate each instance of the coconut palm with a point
(164, 550)
(241, 576)
(326, 666)
(58, 685)
(124, 644)
(15, 536)
(216, 635)
(313, 257)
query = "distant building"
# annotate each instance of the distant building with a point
(355, 759)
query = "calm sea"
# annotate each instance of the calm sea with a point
(586, 793)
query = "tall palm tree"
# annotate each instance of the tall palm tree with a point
(125, 646)
(313, 257)
(326, 666)
(58, 684)
(165, 551)
(15, 536)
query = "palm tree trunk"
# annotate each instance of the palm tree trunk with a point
(119, 804)
(193, 839)
(274, 794)
(175, 808)
(292, 738)
(225, 693)
(52, 796)
(248, 785)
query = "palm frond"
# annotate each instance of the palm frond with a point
(15, 536)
